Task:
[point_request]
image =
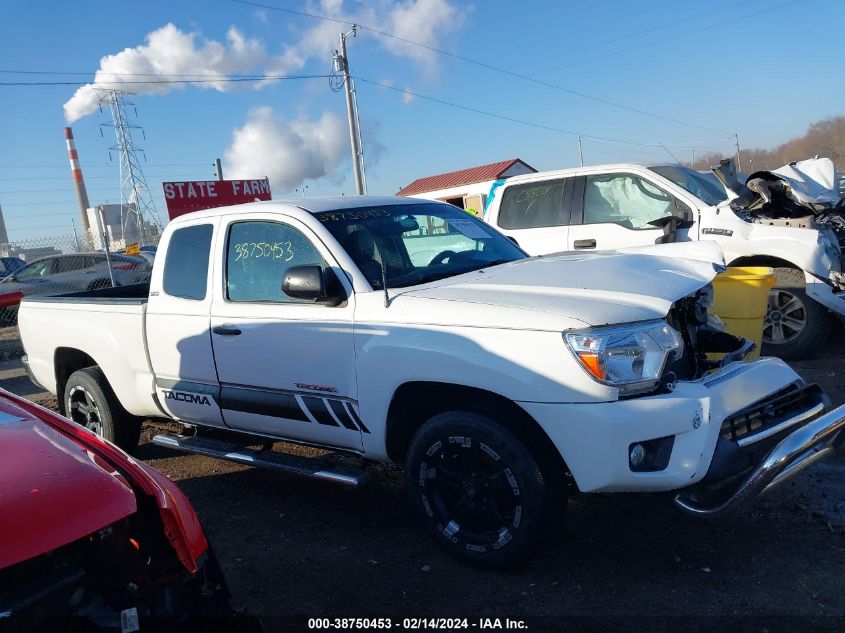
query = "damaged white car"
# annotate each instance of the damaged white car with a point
(790, 219)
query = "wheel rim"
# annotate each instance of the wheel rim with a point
(83, 410)
(786, 317)
(470, 493)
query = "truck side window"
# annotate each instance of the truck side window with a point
(533, 205)
(624, 199)
(259, 254)
(186, 266)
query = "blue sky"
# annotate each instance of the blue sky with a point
(764, 69)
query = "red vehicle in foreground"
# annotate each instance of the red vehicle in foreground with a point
(91, 539)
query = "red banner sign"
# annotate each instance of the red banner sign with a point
(194, 195)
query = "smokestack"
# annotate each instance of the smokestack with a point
(78, 182)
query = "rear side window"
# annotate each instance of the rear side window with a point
(69, 264)
(186, 266)
(532, 205)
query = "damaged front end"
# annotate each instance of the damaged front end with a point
(704, 339)
(802, 194)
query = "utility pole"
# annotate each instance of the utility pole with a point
(580, 151)
(341, 65)
(219, 169)
(692, 164)
(738, 163)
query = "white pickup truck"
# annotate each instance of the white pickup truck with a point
(402, 330)
(617, 206)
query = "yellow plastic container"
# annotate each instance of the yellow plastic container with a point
(741, 299)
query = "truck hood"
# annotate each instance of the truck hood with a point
(600, 288)
(52, 490)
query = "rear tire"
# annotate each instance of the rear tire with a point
(478, 489)
(795, 325)
(90, 402)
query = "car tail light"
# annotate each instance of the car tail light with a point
(124, 266)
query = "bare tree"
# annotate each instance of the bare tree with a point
(824, 138)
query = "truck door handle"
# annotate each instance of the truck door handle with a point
(226, 330)
(585, 243)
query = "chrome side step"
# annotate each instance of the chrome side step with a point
(315, 468)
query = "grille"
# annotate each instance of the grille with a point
(770, 411)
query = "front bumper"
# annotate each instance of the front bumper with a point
(826, 294)
(595, 439)
(794, 453)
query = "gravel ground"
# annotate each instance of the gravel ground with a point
(290, 546)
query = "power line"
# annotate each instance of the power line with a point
(9, 71)
(482, 64)
(181, 175)
(503, 117)
(40, 203)
(64, 165)
(676, 36)
(67, 189)
(230, 79)
(37, 215)
(656, 27)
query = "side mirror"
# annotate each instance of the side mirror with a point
(313, 283)
(670, 225)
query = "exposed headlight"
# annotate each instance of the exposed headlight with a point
(630, 357)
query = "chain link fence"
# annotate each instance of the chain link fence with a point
(70, 263)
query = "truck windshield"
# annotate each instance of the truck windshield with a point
(417, 243)
(696, 183)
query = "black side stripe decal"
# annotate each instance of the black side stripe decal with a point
(316, 407)
(280, 405)
(286, 405)
(355, 417)
(340, 414)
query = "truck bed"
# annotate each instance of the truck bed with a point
(107, 326)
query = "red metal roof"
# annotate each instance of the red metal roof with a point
(458, 178)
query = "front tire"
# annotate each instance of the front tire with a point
(795, 325)
(90, 402)
(478, 489)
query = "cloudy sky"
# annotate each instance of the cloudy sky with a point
(510, 80)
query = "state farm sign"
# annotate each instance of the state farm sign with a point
(194, 195)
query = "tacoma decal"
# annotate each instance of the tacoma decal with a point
(327, 388)
(193, 398)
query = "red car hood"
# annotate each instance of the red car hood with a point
(52, 490)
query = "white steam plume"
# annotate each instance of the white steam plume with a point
(169, 52)
(286, 152)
